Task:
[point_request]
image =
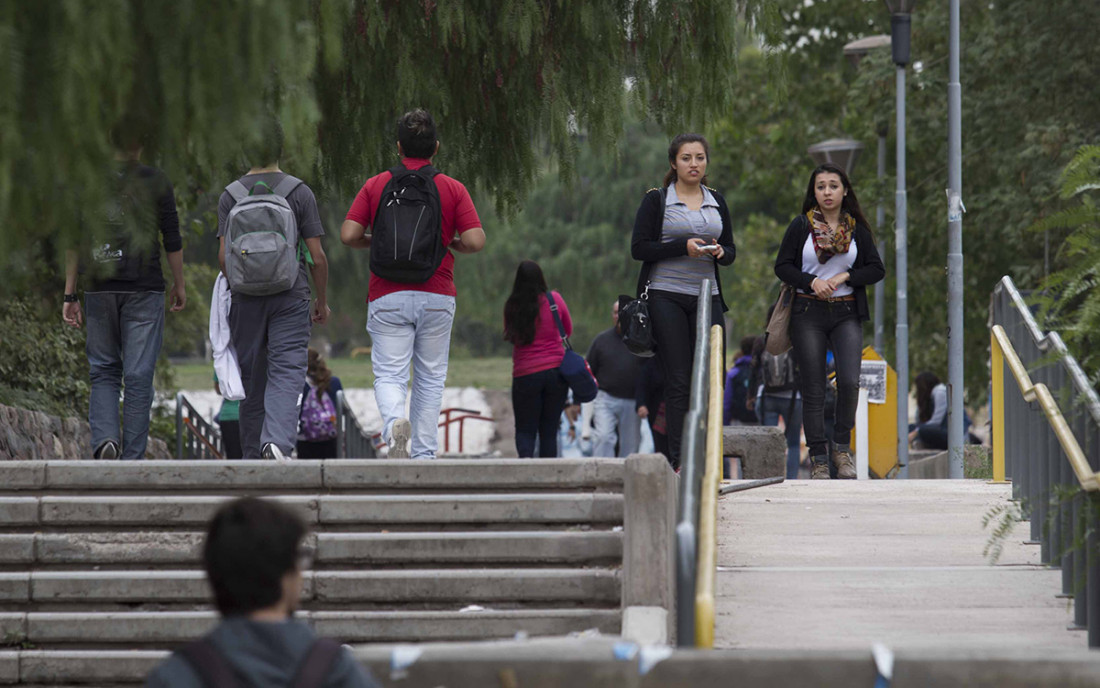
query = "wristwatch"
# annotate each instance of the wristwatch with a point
(71, 298)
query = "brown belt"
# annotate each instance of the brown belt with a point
(838, 299)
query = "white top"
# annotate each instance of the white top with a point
(225, 356)
(840, 263)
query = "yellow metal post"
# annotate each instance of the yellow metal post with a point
(998, 416)
(708, 504)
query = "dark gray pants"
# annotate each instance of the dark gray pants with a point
(271, 336)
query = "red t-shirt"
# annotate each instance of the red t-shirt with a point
(459, 215)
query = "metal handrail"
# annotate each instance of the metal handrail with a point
(1032, 392)
(196, 438)
(691, 475)
(467, 414)
(708, 511)
(352, 441)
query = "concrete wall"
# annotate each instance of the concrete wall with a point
(36, 436)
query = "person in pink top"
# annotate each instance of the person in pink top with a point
(538, 389)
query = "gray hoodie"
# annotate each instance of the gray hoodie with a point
(263, 655)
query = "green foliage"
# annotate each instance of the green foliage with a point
(42, 362)
(1003, 519)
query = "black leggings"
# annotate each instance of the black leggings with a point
(673, 317)
(815, 327)
(537, 400)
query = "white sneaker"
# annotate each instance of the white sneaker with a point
(108, 451)
(272, 453)
(399, 439)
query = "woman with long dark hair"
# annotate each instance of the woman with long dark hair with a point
(828, 255)
(538, 389)
(682, 233)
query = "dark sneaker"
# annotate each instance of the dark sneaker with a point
(845, 467)
(399, 440)
(108, 451)
(820, 468)
(272, 453)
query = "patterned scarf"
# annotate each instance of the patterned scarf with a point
(829, 242)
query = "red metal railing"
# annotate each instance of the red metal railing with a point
(467, 414)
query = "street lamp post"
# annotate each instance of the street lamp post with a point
(855, 51)
(955, 428)
(900, 13)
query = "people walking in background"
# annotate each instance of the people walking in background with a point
(538, 389)
(424, 217)
(124, 295)
(828, 255)
(775, 383)
(739, 399)
(228, 419)
(268, 230)
(615, 409)
(317, 418)
(682, 233)
(650, 398)
(255, 559)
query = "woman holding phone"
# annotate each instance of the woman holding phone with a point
(828, 255)
(682, 234)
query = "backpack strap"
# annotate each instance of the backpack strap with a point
(319, 660)
(287, 185)
(209, 664)
(237, 190)
(557, 319)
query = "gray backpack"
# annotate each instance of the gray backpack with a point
(779, 372)
(261, 236)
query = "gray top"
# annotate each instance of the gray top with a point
(683, 274)
(263, 655)
(939, 405)
(304, 205)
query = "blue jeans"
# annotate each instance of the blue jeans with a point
(614, 417)
(125, 330)
(411, 327)
(538, 400)
(769, 409)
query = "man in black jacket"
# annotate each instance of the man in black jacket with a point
(615, 412)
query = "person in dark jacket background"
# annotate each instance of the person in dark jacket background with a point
(682, 233)
(828, 255)
(615, 412)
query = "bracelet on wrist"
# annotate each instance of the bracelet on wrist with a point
(71, 298)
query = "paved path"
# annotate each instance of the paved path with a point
(839, 565)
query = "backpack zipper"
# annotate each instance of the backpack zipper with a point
(416, 228)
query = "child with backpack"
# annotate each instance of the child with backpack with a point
(317, 419)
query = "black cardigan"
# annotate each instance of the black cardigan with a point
(867, 269)
(646, 244)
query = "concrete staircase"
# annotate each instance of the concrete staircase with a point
(99, 570)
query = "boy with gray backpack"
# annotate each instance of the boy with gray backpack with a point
(269, 230)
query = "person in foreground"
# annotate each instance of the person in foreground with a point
(828, 255)
(538, 389)
(682, 233)
(254, 561)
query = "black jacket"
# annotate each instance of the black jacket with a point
(867, 269)
(646, 244)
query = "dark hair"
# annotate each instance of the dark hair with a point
(925, 383)
(250, 545)
(747, 344)
(319, 371)
(674, 150)
(849, 203)
(521, 310)
(130, 133)
(416, 133)
(266, 145)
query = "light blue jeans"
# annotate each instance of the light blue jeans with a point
(125, 330)
(411, 327)
(611, 417)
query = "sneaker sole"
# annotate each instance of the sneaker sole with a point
(399, 446)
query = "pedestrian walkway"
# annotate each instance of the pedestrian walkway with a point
(843, 564)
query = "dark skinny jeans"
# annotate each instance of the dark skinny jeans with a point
(815, 327)
(673, 317)
(537, 400)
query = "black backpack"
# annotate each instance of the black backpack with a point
(214, 671)
(407, 233)
(779, 372)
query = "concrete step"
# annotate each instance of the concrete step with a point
(195, 510)
(126, 548)
(589, 586)
(169, 628)
(333, 474)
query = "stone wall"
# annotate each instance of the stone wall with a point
(36, 436)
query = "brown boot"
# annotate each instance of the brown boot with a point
(819, 468)
(845, 467)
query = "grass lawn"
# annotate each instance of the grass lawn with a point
(489, 373)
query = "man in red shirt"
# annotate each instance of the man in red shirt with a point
(411, 322)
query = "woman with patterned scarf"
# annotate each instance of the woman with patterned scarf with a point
(828, 255)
